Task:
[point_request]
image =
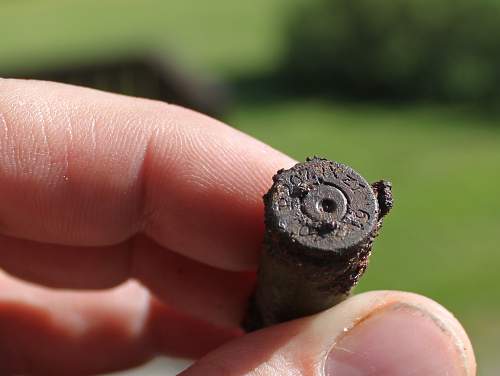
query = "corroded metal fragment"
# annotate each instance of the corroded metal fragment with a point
(321, 219)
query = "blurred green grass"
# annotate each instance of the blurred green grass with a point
(440, 238)
(443, 237)
(224, 37)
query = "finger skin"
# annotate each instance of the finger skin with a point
(89, 168)
(301, 347)
(47, 332)
(211, 294)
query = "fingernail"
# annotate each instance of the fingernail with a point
(396, 340)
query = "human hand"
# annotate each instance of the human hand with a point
(97, 189)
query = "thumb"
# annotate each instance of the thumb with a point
(376, 333)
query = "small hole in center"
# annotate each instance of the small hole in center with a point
(328, 205)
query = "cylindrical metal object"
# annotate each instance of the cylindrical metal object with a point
(321, 218)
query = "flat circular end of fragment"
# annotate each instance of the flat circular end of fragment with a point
(322, 205)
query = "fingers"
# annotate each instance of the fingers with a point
(85, 168)
(211, 294)
(68, 333)
(214, 295)
(377, 333)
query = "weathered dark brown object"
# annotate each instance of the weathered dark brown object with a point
(321, 219)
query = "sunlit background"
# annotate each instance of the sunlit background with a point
(406, 90)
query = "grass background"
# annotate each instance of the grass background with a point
(442, 238)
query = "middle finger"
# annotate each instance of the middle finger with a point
(206, 292)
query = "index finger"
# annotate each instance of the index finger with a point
(87, 168)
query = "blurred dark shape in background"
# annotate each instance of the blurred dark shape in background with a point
(443, 50)
(142, 76)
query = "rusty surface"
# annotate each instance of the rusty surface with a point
(321, 219)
